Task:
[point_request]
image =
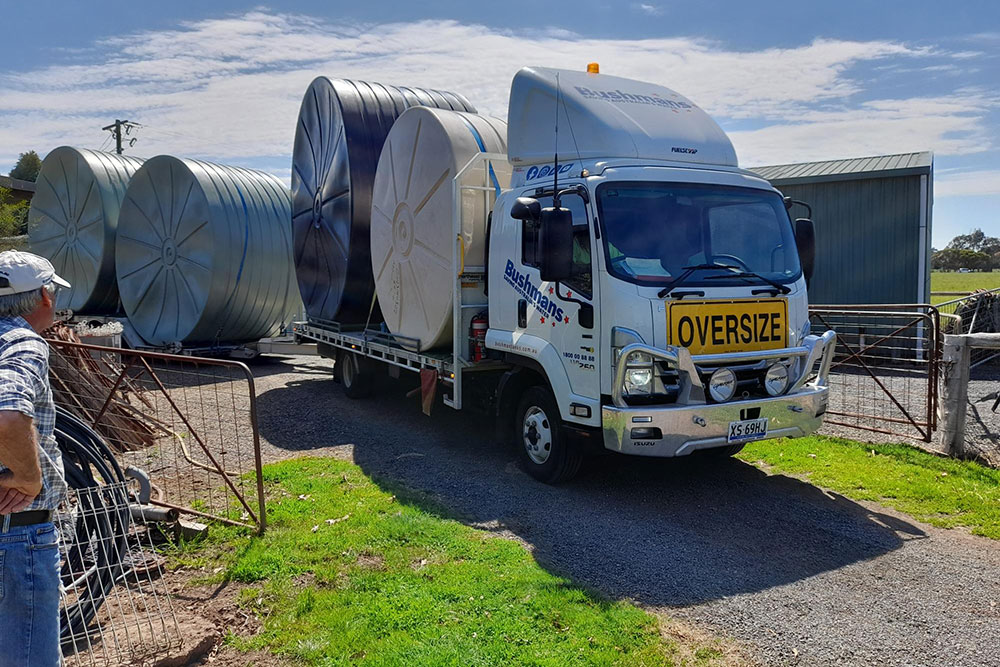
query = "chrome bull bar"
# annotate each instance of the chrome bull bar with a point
(813, 349)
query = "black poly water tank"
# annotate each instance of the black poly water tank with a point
(341, 129)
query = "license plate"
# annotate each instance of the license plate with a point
(745, 431)
(717, 327)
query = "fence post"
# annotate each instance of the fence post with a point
(955, 372)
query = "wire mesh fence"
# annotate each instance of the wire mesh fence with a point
(970, 404)
(982, 416)
(978, 312)
(188, 423)
(115, 608)
(884, 372)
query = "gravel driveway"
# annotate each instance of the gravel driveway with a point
(794, 574)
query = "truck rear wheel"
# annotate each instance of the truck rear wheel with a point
(355, 375)
(546, 451)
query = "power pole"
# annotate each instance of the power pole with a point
(116, 131)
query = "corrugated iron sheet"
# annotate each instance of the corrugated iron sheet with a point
(876, 166)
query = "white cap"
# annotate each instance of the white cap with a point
(24, 272)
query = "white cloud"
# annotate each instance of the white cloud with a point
(968, 183)
(646, 8)
(229, 89)
(948, 126)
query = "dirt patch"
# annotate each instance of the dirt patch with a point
(712, 651)
(371, 561)
(229, 608)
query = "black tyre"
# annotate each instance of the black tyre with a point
(723, 452)
(355, 374)
(547, 452)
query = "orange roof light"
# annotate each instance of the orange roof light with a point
(593, 68)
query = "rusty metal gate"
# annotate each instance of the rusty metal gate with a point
(190, 423)
(884, 375)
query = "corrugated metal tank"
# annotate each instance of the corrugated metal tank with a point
(412, 212)
(341, 128)
(73, 221)
(204, 253)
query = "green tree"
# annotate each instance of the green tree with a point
(27, 167)
(945, 260)
(13, 219)
(984, 252)
(971, 241)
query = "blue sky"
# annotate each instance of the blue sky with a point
(790, 81)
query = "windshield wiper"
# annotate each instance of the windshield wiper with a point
(688, 270)
(784, 289)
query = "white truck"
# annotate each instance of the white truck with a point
(643, 294)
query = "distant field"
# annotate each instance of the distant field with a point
(943, 281)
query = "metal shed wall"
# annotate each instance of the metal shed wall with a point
(872, 230)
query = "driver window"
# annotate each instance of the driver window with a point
(581, 280)
(729, 225)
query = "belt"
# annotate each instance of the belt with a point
(19, 519)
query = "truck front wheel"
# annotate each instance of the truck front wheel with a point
(546, 450)
(723, 452)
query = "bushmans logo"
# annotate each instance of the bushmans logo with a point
(619, 96)
(521, 282)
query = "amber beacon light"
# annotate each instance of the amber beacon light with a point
(593, 68)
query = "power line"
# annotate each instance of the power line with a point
(119, 129)
(157, 130)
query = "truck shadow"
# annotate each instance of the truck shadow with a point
(663, 532)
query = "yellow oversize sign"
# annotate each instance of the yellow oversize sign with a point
(713, 327)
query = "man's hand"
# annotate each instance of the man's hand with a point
(15, 494)
(22, 482)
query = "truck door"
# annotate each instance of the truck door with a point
(565, 314)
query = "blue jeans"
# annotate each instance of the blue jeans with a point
(29, 596)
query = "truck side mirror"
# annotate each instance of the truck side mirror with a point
(805, 239)
(526, 208)
(555, 244)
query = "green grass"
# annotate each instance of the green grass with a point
(349, 572)
(943, 281)
(942, 492)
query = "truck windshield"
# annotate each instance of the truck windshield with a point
(651, 231)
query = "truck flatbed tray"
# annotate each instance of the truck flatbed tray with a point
(397, 350)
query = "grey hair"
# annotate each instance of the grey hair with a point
(22, 303)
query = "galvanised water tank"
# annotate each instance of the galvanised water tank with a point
(204, 253)
(341, 128)
(73, 221)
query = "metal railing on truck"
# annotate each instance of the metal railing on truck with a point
(468, 289)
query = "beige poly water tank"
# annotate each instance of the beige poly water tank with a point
(412, 210)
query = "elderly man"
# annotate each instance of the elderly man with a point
(31, 472)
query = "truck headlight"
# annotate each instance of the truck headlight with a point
(639, 374)
(639, 380)
(776, 379)
(722, 385)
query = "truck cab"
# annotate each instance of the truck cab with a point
(650, 295)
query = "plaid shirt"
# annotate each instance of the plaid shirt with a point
(24, 388)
